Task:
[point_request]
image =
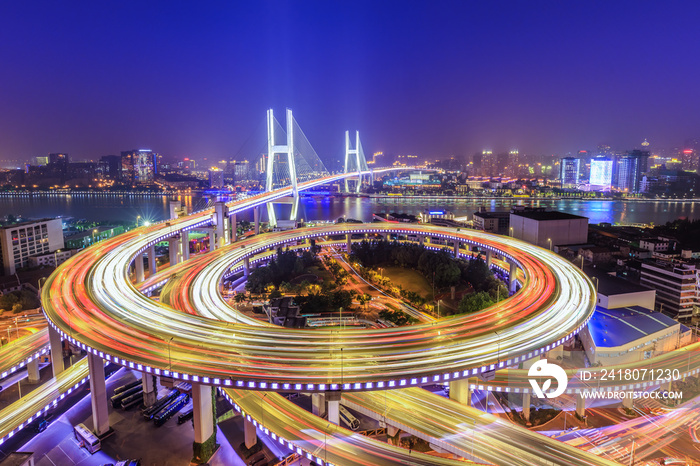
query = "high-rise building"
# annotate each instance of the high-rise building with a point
(20, 241)
(110, 167)
(676, 286)
(569, 172)
(241, 171)
(139, 166)
(601, 174)
(216, 178)
(630, 169)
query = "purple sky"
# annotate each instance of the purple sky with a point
(432, 78)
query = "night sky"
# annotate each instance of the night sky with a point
(427, 78)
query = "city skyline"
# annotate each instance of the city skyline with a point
(429, 81)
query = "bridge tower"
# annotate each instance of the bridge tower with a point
(354, 160)
(273, 150)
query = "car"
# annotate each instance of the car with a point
(41, 426)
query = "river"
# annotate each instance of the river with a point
(106, 207)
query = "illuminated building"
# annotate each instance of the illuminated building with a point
(630, 168)
(20, 241)
(139, 166)
(216, 178)
(601, 174)
(569, 171)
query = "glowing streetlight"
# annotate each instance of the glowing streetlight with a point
(550, 243)
(138, 217)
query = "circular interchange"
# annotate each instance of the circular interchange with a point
(91, 301)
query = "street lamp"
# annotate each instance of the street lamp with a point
(550, 243)
(138, 217)
(439, 307)
(93, 235)
(511, 232)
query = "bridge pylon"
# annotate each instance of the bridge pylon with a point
(354, 160)
(274, 149)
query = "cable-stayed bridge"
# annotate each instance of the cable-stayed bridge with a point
(290, 160)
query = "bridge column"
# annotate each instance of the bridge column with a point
(556, 353)
(152, 268)
(628, 402)
(185, 244)
(256, 219)
(456, 246)
(526, 406)
(488, 258)
(421, 239)
(318, 404)
(221, 223)
(98, 395)
(246, 266)
(233, 225)
(138, 264)
(512, 277)
(333, 399)
(56, 351)
(173, 250)
(212, 240)
(204, 420)
(150, 390)
(251, 436)
(392, 434)
(459, 391)
(580, 406)
(349, 243)
(33, 371)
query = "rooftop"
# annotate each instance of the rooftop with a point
(610, 285)
(492, 214)
(26, 223)
(610, 328)
(547, 215)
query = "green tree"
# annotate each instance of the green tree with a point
(475, 302)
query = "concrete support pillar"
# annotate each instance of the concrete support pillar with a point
(334, 411)
(212, 240)
(138, 263)
(251, 436)
(152, 260)
(348, 243)
(150, 390)
(173, 250)
(246, 266)
(33, 371)
(185, 244)
(233, 225)
(204, 422)
(333, 399)
(98, 395)
(488, 259)
(221, 223)
(526, 406)
(556, 353)
(512, 280)
(421, 239)
(56, 351)
(318, 404)
(580, 405)
(459, 391)
(456, 246)
(256, 219)
(628, 402)
(392, 435)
